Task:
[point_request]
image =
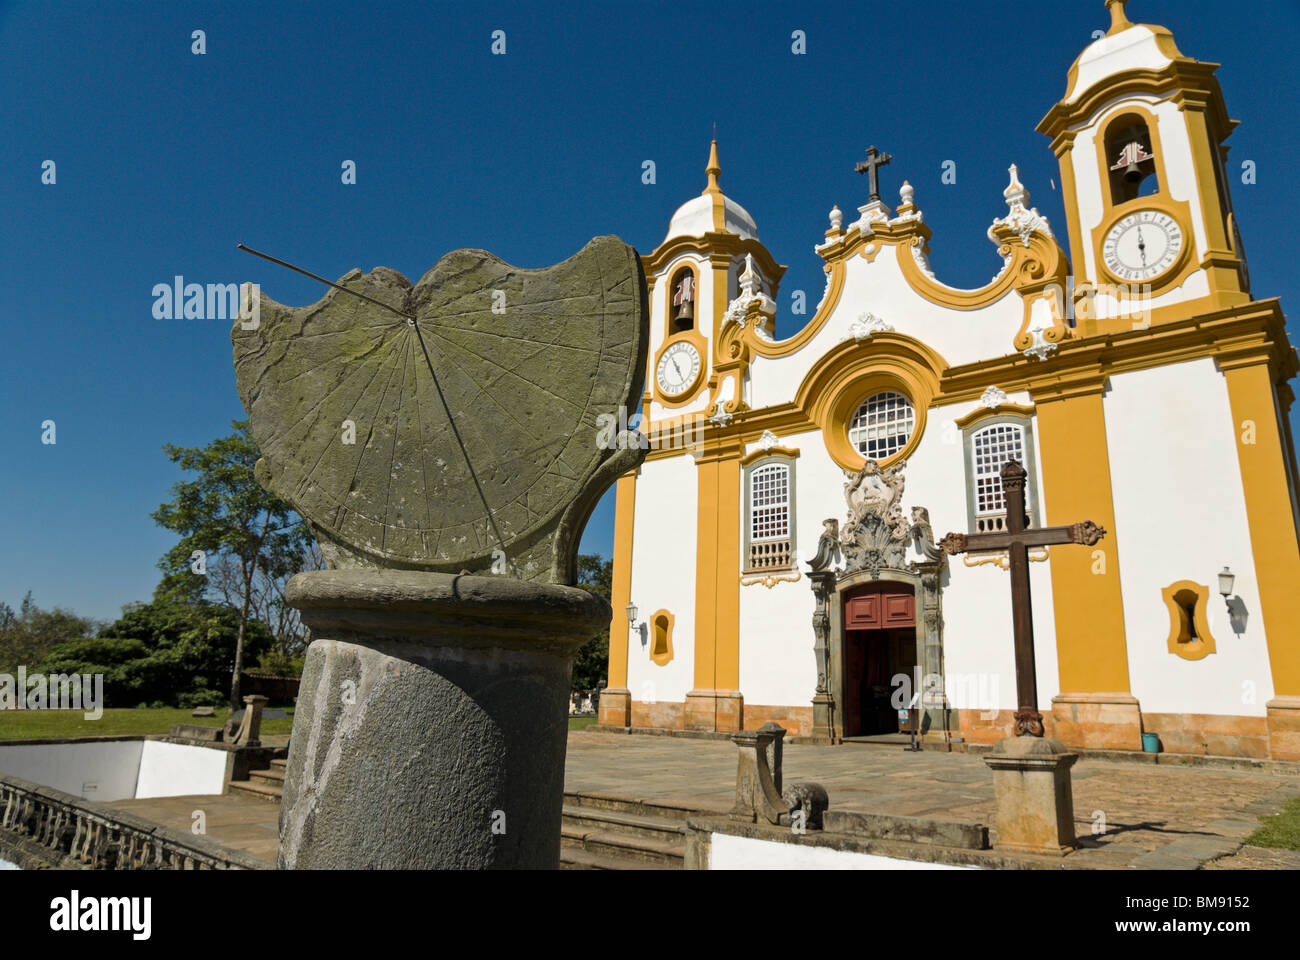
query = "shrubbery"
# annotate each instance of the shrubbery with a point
(162, 654)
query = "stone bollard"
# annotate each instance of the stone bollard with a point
(431, 725)
(246, 731)
(757, 797)
(775, 751)
(1035, 804)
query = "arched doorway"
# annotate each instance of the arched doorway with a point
(880, 643)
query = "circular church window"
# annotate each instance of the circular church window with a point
(882, 425)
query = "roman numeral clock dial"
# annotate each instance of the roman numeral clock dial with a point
(1142, 246)
(679, 366)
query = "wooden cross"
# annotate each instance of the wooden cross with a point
(875, 159)
(1017, 540)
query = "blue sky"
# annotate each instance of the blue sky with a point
(164, 160)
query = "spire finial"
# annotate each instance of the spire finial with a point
(1118, 20)
(714, 169)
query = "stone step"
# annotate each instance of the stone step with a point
(259, 789)
(633, 849)
(280, 764)
(575, 858)
(652, 828)
(273, 775)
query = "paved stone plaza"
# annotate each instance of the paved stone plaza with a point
(1172, 815)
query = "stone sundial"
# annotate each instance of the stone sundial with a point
(350, 397)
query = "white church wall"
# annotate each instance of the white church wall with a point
(979, 658)
(1180, 514)
(777, 666)
(663, 575)
(880, 288)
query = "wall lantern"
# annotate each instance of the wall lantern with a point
(1226, 580)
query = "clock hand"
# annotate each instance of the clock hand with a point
(1142, 247)
(411, 321)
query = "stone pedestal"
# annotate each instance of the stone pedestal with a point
(1097, 721)
(432, 720)
(1283, 728)
(823, 717)
(1035, 804)
(714, 710)
(615, 707)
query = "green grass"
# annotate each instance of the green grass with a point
(581, 723)
(55, 724)
(1282, 830)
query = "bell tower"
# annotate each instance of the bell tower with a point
(1140, 137)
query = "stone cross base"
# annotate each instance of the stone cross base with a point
(1035, 804)
(432, 720)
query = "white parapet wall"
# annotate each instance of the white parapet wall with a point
(180, 769)
(106, 769)
(748, 853)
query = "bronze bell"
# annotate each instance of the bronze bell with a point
(685, 316)
(1132, 174)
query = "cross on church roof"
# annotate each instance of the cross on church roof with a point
(1017, 540)
(875, 159)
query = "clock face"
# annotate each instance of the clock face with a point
(1142, 245)
(679, 365)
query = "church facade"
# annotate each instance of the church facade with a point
(776, 554)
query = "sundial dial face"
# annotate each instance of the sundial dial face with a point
(344, 401)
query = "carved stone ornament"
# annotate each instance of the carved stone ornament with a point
(876, 534)
(866, 325)
(828, 547)
(993, 397)
(1024, 220)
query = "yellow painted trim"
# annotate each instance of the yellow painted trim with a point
(952, 297)
(788, 452)
(851, 372)
(1092, 654)
(713, 243)
(984, 413)
(1161, 201)
(1269, 516)
(717, 562)
(621, 587)
(661, 655)
(784, 348)
(1002, 558)
(770, 581)
(1180, 643)
(671, 275)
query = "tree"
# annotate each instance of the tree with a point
(224, 515)
(162, 652)
(28, 635)
(591, 665)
